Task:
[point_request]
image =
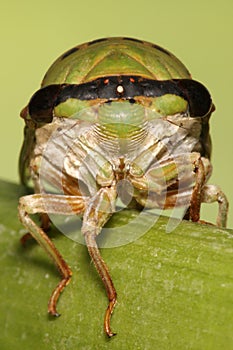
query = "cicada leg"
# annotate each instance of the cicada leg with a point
(98, 212)
(58, 204)
(45, 226)
(206, 194)
(44, 218)
(102, 269)
(212, 193)
(195, 203)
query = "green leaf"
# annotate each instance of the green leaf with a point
(175, 291)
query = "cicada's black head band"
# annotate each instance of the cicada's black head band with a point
(112, 88)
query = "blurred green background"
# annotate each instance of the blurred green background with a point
(34, 33)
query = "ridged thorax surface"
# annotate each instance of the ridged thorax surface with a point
(115, 56)
(121, 127)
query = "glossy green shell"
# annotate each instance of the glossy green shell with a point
(114, 56)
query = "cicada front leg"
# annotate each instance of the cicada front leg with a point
(98, 212)
(45, 226)
(50, 203)
(196, 198)
(44, 217)
(203, 193)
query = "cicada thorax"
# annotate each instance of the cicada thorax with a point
(114, 57)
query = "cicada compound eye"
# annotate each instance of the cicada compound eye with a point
(42, 103)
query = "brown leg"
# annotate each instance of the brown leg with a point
(102, 269)
(45, 226)
(39, 235)
(42, 203)
(195, 205)
(98, 212)
(207, 194)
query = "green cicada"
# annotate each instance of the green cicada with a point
(114, 118)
